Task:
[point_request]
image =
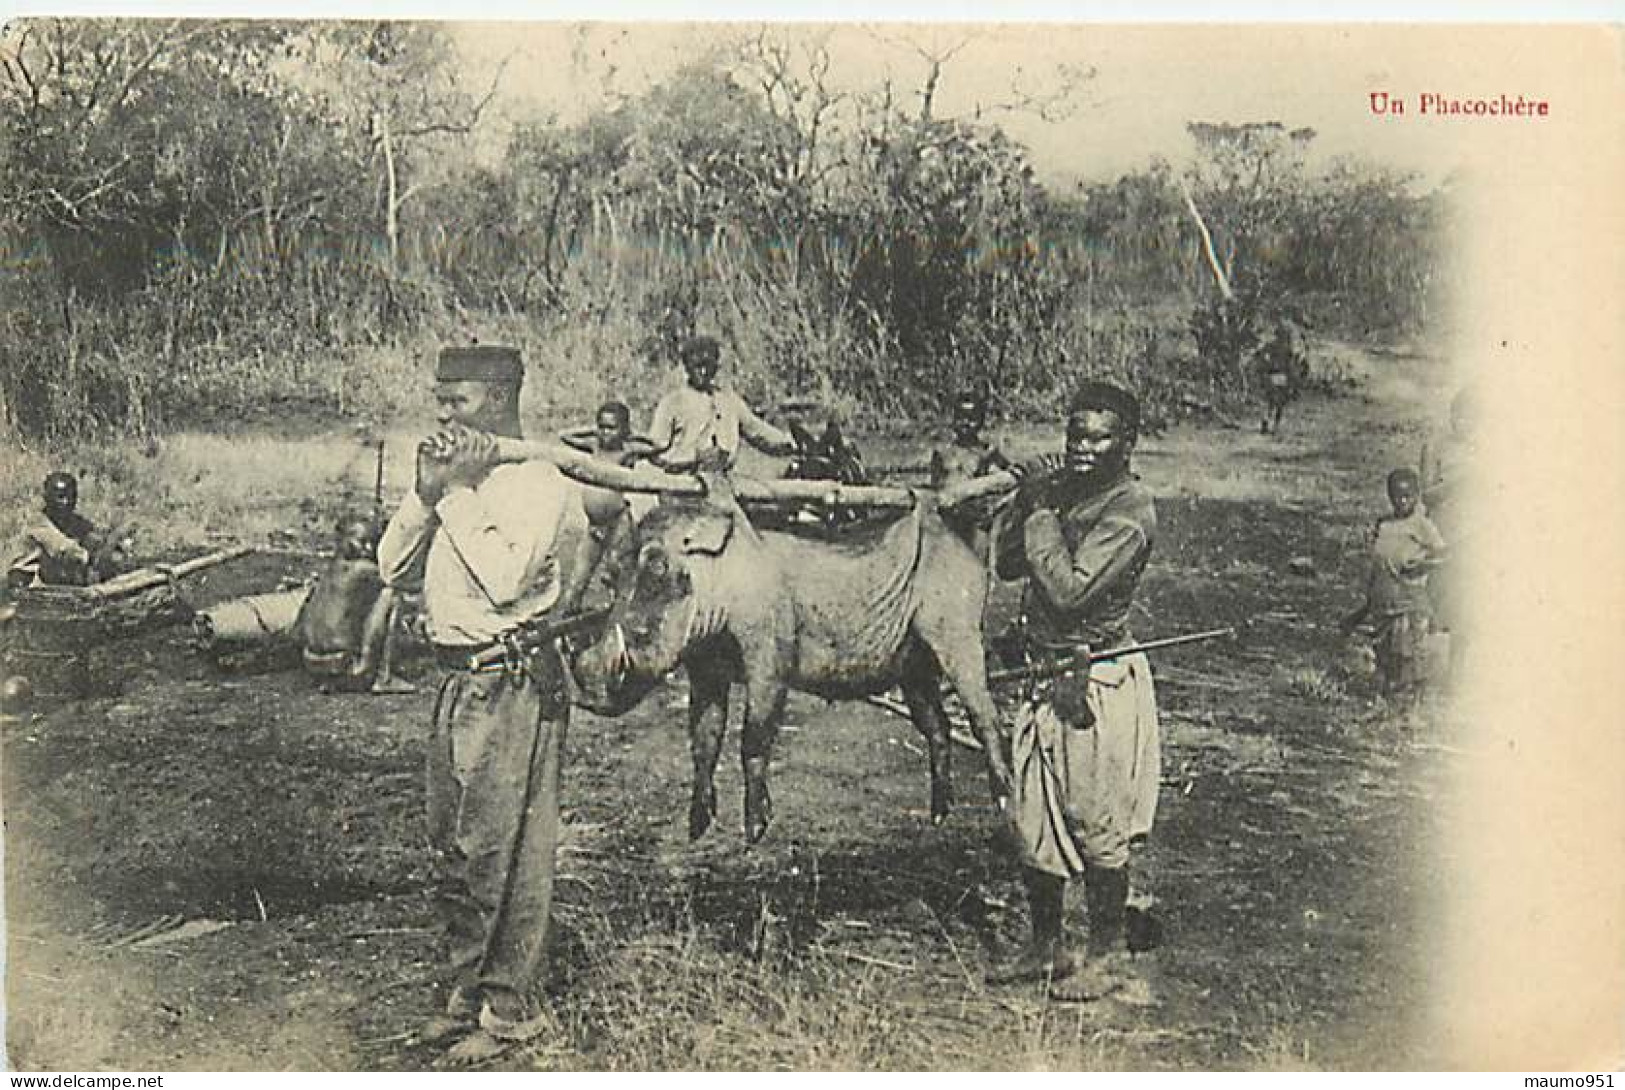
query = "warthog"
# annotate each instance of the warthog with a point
(899, 606)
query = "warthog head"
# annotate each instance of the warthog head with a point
(666, 603)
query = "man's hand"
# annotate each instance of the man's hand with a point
(1040, 479)
(1035, 493)
(1033, 468)
(455, 457)
(431, 478)
(1034, 476)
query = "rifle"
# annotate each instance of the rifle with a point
(1074, 663)
(378, 489)
(523, 640)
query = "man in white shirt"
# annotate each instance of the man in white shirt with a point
(493, 546)
(701, 425)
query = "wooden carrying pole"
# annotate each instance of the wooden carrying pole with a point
(590, 470)
(122, 586)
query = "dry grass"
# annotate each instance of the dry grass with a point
(196, 491)
(1312, 683)
(777, 978)
(674, 999)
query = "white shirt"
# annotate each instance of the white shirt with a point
(486, 556)
(688, 422)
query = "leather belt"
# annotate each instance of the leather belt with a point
(456, 657)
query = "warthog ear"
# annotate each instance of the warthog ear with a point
(707, 534)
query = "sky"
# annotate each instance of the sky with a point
(1147, 81)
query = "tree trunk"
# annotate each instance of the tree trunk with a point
(392, 192)
(614, 258)
(1220, 274)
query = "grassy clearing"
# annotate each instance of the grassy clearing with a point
(1285, 865)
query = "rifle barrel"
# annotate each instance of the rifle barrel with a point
(378, 485)
(1022, 673)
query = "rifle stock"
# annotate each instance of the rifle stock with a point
(532, 636)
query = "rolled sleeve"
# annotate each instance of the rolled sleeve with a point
(663, 427)
(405, 543)
(758, 432)
(54, 543)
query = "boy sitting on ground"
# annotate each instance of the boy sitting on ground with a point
(346, 626)
(64, 548)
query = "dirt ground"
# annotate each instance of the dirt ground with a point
(228, 870)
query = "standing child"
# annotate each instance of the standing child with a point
(969, 454)
(1282, 371)
(610, 438)
(1407, 547)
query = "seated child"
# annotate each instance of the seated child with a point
(1407, 547)
(63, 547)
(346, 626)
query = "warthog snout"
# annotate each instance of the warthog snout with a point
(604, 674)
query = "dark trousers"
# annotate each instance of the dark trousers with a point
(495, 749)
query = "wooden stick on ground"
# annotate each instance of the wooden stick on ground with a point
(121, 586)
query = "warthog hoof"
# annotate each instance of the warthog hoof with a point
(757, 818)
(702, 810)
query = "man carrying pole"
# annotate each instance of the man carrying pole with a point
(1086, 747)
(495, 547)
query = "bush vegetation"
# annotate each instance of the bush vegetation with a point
(218, 221)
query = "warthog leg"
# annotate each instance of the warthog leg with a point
(922, 691)
(707, 690)
(962, 663)
(764, 708)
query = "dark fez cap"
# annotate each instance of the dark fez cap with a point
(480, 363)
(1108, 397)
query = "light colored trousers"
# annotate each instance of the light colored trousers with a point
(1082, 795)
(493, 812)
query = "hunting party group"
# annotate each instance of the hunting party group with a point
(582, 569)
